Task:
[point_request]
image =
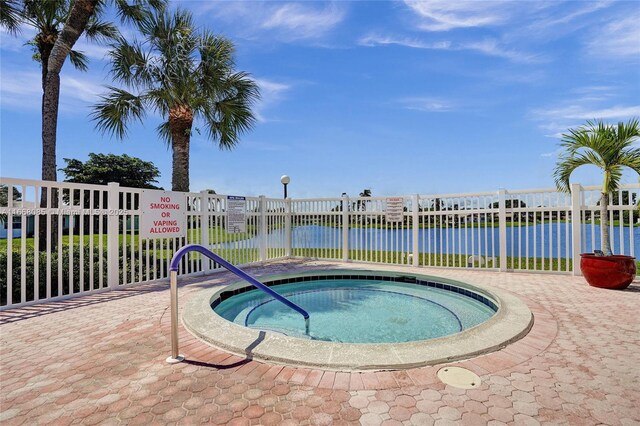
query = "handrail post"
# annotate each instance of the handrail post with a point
(175, 356)
(345, 228)
(576, 231)
(502, 227)
(415, 225)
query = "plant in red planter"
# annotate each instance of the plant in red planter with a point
(610, 148)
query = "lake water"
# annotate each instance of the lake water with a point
(479, 241)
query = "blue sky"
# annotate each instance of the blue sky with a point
(400, 97)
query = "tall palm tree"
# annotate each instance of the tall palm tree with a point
(47, 18)
(186, 77)
(606, 146)
(361, 204)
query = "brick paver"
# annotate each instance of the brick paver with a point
(99, 359)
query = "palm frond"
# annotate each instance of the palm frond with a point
(609, 147)
(46, 15)
(101, 31)
(79, 60)
(566, 166)
(130, 64)
(130, 13)
(164, 131)
(227, 119)
(10, 15)
(115, 109)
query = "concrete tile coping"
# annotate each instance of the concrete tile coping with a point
(511, 322)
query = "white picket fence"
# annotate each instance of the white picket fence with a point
(89, 242)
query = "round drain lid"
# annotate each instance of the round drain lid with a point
(459, 377)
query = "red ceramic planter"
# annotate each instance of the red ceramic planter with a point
(612, 272)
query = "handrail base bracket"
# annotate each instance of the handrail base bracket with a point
(172, 360)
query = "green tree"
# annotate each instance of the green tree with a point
(185, 76)
(509, 204)
(606, 146)
(100, 169)
(4, 199)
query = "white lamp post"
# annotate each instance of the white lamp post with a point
(285, 181)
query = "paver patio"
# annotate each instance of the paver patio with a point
(100, 359)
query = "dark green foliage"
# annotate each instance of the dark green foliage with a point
(100, 169)
(30, 254)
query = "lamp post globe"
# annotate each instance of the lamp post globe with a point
(285, 181)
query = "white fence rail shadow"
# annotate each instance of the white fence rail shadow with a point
(60, 240)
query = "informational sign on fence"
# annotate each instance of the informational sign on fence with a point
(163, 214)
(395, 209)
(236, 214)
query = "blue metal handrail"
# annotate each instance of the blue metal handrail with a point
(175, 261)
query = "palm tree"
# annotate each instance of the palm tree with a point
(361, 204)
(183, 75)
(606, 146)
(48, 18)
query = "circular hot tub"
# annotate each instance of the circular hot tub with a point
(359, 320)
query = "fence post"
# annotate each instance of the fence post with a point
(287, 227)
(576, 231)
(263, 228)
(113, 235)
(345, 228)
(502, 227)
(415, 220)
(204, 228)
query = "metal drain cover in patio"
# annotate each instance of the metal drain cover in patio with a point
(459, 377)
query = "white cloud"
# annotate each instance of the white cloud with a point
(427, 104)
(80, 89)
(445, 15)
(304, 21)
(492, 48)
(373, 40)
(620, 37)
(596, 102)
(23, 90)
(271, 93)
(489, 47)
(92, 50)
(282, 21)
(20, 89)
(574, 112)
(558, 21)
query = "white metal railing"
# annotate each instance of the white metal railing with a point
(60, 240)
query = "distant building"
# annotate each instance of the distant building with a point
(17, 226)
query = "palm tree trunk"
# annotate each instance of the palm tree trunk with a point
(50, 102)
(604, 224)
(180, 122)
(45, 229)
(76, 23)
(180, 176)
